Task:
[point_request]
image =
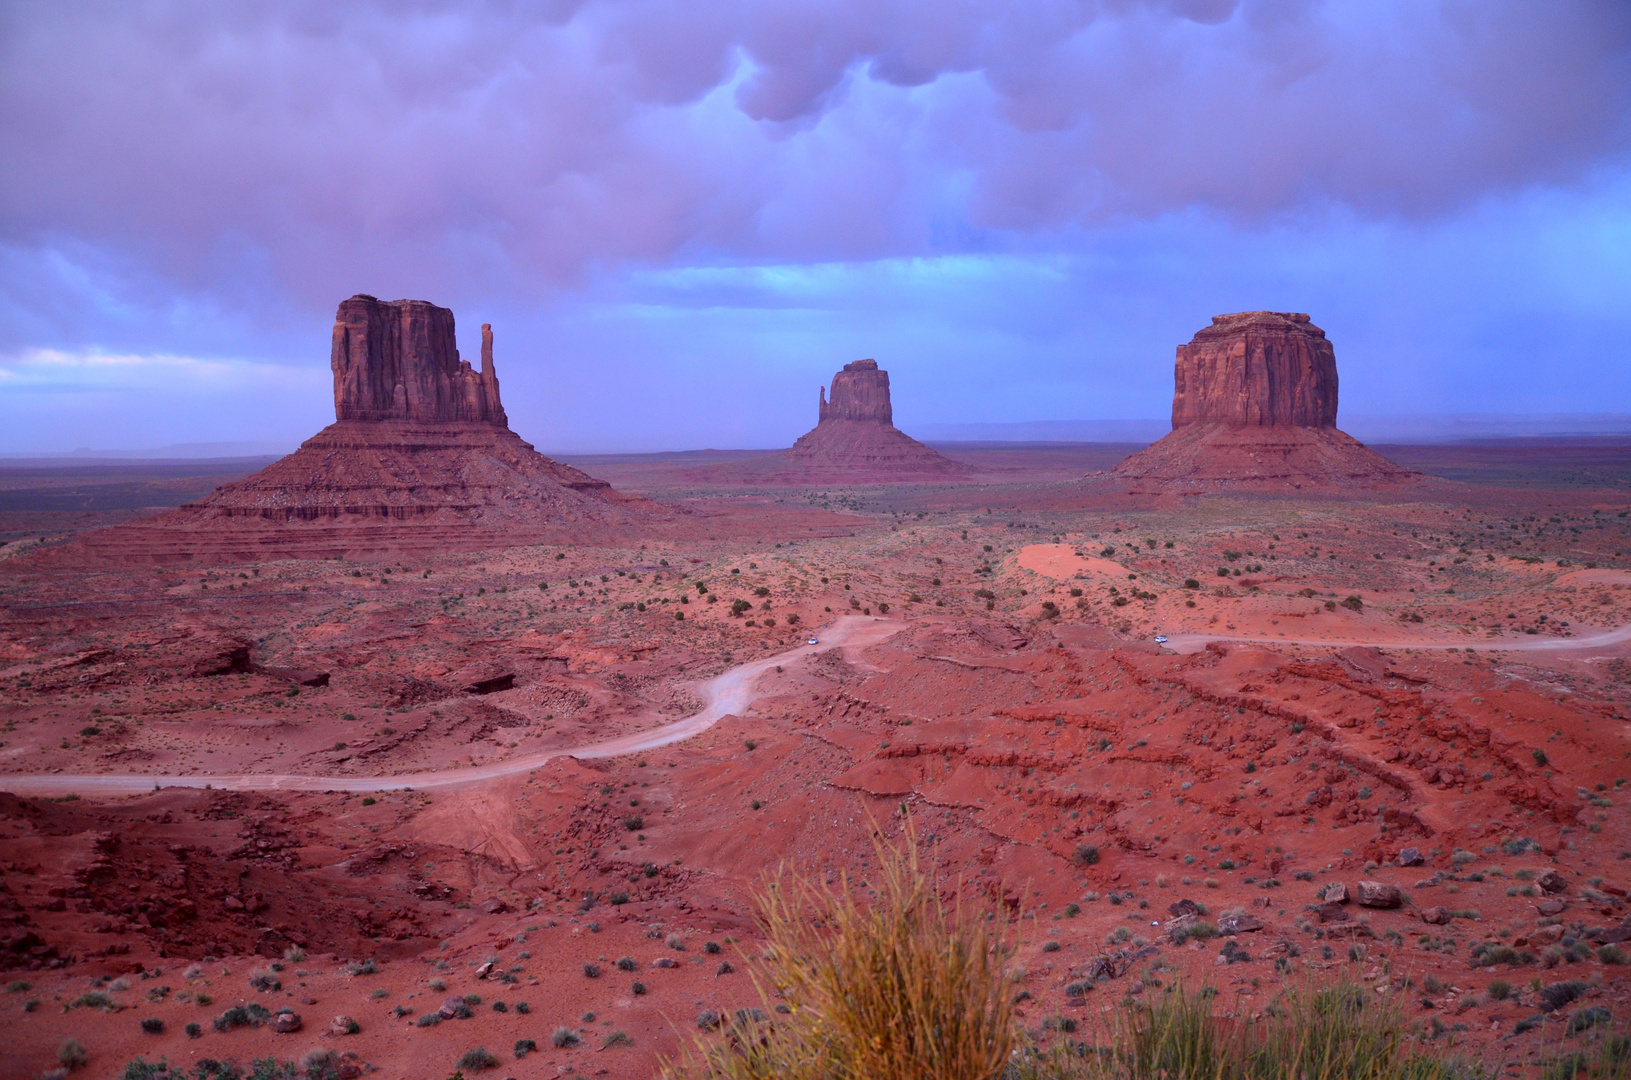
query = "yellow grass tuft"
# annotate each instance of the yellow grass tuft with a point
(900, 986)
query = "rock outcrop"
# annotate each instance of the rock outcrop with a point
(420, 437)
(1255, 406)
(1257, 369)
(855, 438)
(398, 361)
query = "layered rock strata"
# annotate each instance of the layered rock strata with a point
(419, 437)
(1255, 405)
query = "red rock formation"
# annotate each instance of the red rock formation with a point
(855, 438)
(1257, 369)
(1255, 405)
(859, 392)
(419, 436)
(398, 361)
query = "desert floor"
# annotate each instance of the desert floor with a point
(346, 786)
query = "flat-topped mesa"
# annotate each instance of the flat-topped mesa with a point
(1254, 406)
(1257, 369)
(859, 392)
(398, 360)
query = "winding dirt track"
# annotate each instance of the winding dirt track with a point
(727, 693)
(1193, 643)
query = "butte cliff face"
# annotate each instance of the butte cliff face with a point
(1255, 405)
(1257, 369)
(855, 439)
(420, 455)
(398, 361)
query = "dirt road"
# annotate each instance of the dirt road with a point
(727, 693)
(1193, 643)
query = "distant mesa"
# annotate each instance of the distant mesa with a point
(419, 437)
(1255, 406)
(855, 437)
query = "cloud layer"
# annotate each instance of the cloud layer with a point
(208, 177)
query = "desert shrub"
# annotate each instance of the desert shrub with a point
(430, 1019)
(563, 1038)
(591, 971)
(142, 1070)
(71, 1055)
(153, 1025)
(522, 1007)
(523, 1047)
(194, 1031)
(92, 999)
(1326, 1033)
(638, 988)
(1087, 854)
(626, 963)
(1611, 954)
(710, 947)
(477, 1059)
(896, 985)
(367, 967)
(634, 823)
(1500, 990)
(616, 1039)
(1559, 994)
(265, 981)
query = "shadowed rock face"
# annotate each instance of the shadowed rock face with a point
(1257, 369)
(398, 361)
(859, 392)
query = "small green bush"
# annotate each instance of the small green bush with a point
(477, 1059)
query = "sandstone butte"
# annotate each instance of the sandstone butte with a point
(1254, 405)
(419, 438)
(855, 437)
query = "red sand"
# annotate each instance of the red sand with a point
(1019, 722)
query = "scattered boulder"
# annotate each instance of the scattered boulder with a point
(1438, 916)
(1546, 935)
(1410, 857)
(494, 906)
(1551, 906)
(1335, 893)
(344, 1025)
(286, 1023)
(1551, 881)
(1331, 911)
(1379, 894)
(453, 1008)
(485, 969)
(1239, 924)
(1186, 906)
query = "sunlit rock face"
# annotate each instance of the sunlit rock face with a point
(1257, 369)
(1254, 405)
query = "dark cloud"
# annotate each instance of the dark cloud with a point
(511, 145)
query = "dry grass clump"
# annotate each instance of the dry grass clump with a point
(1332, 1032)
(898, 986)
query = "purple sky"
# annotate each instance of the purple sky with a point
(682, 217)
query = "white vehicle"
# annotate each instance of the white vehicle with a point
(1160, 639)
(815, 641)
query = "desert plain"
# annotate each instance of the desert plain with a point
(427, 798)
